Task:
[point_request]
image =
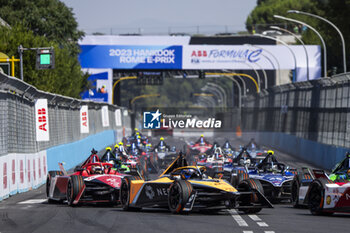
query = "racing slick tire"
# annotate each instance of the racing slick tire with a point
(124, 194)
(50, 175)
(316, 197)
(295, 186)
(179, 192)
(74, 187)
(236, 180)
(250, 185)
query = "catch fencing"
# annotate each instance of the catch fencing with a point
(17, 117)
(317, 110)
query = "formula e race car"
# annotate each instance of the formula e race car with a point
(274, 177)
(94, 181)
(323, 194)
(183, 188)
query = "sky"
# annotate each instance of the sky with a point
(161, 16)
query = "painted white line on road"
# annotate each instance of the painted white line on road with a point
(269, 231)
(254, 217)
(248, 232)
(262, 224)
(33, 201)
(240, 221)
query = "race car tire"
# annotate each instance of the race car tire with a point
(316, 197)
(295, 186)
(236, 179)
(74, 186)
(124, 193)
(179, 192)
(249, 185)
(50, 175)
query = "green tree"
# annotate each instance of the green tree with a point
(67, 77)
(49, 18)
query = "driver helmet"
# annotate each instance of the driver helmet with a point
(201, 140)
(96, 170)
(116, 146)
(162, 139)
(270, 152)
(188, 173)
(136, 129)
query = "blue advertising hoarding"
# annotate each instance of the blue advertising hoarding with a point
(131, 57)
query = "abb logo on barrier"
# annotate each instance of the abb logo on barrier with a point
(84, 119)
(42, 120)
(199, 53)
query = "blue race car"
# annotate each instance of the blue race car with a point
(274, 177)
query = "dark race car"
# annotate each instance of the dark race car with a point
(94, 181)
(183, 188)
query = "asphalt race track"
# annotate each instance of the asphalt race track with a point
(30, 212)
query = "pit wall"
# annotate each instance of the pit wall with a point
(23, 172)
(320, 155)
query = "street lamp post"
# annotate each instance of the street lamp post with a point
(319, 35)
(285, 44)
(302, 42)
(329, 22)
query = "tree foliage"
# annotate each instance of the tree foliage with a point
(49, 18)
(337, 11)
(44, 23)
(67, 77)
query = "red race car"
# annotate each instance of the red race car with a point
(94, 181)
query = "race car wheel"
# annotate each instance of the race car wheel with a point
(250, 185)
(179, 192)
(316, 197)
(74, 187)
(236, 179)
(124, 194)
(295, 192)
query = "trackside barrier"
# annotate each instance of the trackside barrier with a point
(74, 153)
(23, 172)
(318, 154)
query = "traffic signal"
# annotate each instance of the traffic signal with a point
(45, 59)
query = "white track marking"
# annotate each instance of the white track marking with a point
(262, 224)
(240, 221)
(258, 220)
(254, 217)
(269, 232)
(33, 201)
(248, 232)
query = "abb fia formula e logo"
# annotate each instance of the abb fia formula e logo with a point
(42, 120)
